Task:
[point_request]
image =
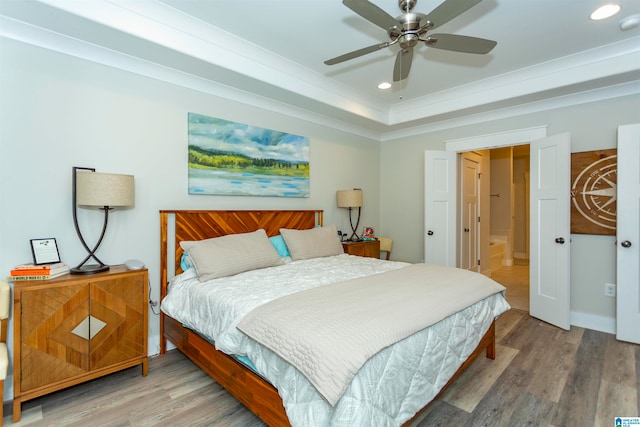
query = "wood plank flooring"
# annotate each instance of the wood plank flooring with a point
(542, 376)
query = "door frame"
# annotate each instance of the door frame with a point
(498, 140)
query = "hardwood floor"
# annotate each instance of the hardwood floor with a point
(542, 376)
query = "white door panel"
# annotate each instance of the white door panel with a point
(469, 203)
(628, 234)
(550, 229)
(440, 208)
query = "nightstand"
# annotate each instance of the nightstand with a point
(367, 248)
(75, 328)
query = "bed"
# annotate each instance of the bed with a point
(264, 381)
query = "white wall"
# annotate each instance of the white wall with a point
(521, 204)
(57, 112)
(593, 126)
(501, 179)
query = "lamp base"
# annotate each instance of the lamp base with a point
(89, 269)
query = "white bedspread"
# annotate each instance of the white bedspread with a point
(329, 332)
(389, 388)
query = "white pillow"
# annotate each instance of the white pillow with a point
(313, 243)
(231, 254)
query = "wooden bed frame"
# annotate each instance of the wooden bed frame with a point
(256, 393)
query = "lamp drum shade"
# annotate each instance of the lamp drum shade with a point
(349, 198)
(104, 189)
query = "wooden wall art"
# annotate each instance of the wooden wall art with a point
(594, 192)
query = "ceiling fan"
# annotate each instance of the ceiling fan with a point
(410, 28)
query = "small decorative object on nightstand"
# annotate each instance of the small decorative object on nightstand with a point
(72, 329)
(366, 248)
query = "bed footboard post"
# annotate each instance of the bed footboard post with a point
(491, 347)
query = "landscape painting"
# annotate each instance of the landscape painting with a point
(229, 158)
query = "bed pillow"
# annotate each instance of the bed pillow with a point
(280, 245)
(231, 254)
(313, 243)
(185, 262)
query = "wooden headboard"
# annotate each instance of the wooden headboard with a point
(203, 224)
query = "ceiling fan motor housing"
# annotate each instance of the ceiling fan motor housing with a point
(410, 31)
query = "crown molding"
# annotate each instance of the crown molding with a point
(605, 61)
(585, 97)
(42, 38)
(276, 84)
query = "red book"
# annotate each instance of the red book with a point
(40, 270)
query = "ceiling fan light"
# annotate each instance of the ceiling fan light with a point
(384, 85)
(605, 11)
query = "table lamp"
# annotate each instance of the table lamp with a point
(104, 191)
(351, 199)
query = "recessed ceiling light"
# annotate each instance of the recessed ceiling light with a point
(384, 85)
(605, 11)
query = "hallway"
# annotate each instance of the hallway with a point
(516, 280)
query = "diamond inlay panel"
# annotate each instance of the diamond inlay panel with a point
(89, 328)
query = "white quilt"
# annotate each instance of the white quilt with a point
(329, 332)
(390, 387)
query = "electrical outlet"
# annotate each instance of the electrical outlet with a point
(609, 290)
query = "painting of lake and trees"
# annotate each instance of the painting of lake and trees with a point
(229, 158)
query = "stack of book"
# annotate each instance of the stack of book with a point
(38, 272)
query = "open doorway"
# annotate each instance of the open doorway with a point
(506, 231)
(549, 249)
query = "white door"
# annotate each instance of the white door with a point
(628, 234)
(440, 207)
(550, 228)
(470, 212)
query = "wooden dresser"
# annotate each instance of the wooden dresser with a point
(75, 328)
(368, 248)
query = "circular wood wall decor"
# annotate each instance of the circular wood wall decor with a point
(594, 192)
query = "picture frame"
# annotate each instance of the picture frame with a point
(368, 233)
(237, 159)
(45, 251)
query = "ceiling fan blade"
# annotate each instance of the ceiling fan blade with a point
(372, 13)
(355, 54)
(403, 64)
(447, 10)
(459, 43)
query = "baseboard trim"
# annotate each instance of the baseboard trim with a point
(593, 321)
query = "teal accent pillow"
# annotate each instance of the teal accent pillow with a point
(280, 245)
(185, 262)
(231, 254)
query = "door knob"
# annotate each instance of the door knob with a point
(430, 233)
(560, 240)
(625, 244)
